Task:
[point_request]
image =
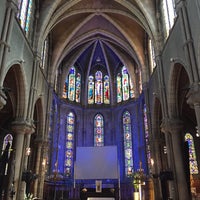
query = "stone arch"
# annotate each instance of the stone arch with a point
(157, 144)
(179, 109)
(14, 85)
(178, 75)
(38, 118)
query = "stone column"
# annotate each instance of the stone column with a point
(42, 169)
(38, 144)
(154, 140)
(20, 129)
(175, 127)
(170, 156)
(19, 132)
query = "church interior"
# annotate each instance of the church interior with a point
(99, 99)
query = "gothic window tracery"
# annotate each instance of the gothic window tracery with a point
(98, 88)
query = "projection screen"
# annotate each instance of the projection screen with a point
(96, 163)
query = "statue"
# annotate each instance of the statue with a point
(28, 177)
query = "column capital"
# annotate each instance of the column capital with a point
(170, 125)
(22, 127)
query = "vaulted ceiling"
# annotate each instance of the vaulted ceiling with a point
(112, 32)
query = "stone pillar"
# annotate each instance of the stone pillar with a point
(20, 129)
(155, 155)
(170, 156)
(42, 169)
(156, 169)
(175, 127)
(38, 144)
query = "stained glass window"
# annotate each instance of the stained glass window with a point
(78, 87)
(69, 144)
(146, 130)
(98, 88)
(127, 143)
(25, 12)
(91, 90)
(8, 139)
(132, 92)
(106, 90)
(192, 154)
(98, 130)
(140, 81)
(169, 14)
(125, 86)
(151, 56)
(44, 53)
(119, 88)
(72, 86)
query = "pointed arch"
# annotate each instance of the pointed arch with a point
(15, 83)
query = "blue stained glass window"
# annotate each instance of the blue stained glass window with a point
(106, 90)
(98, 130)
(7, 139)
(78, 87)
(146, 129)
(127, 143)
(72, 86)
(119, 88)
(192, 154)
(91, 90)
(69, 144)
(125, 86)
(98, 88)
